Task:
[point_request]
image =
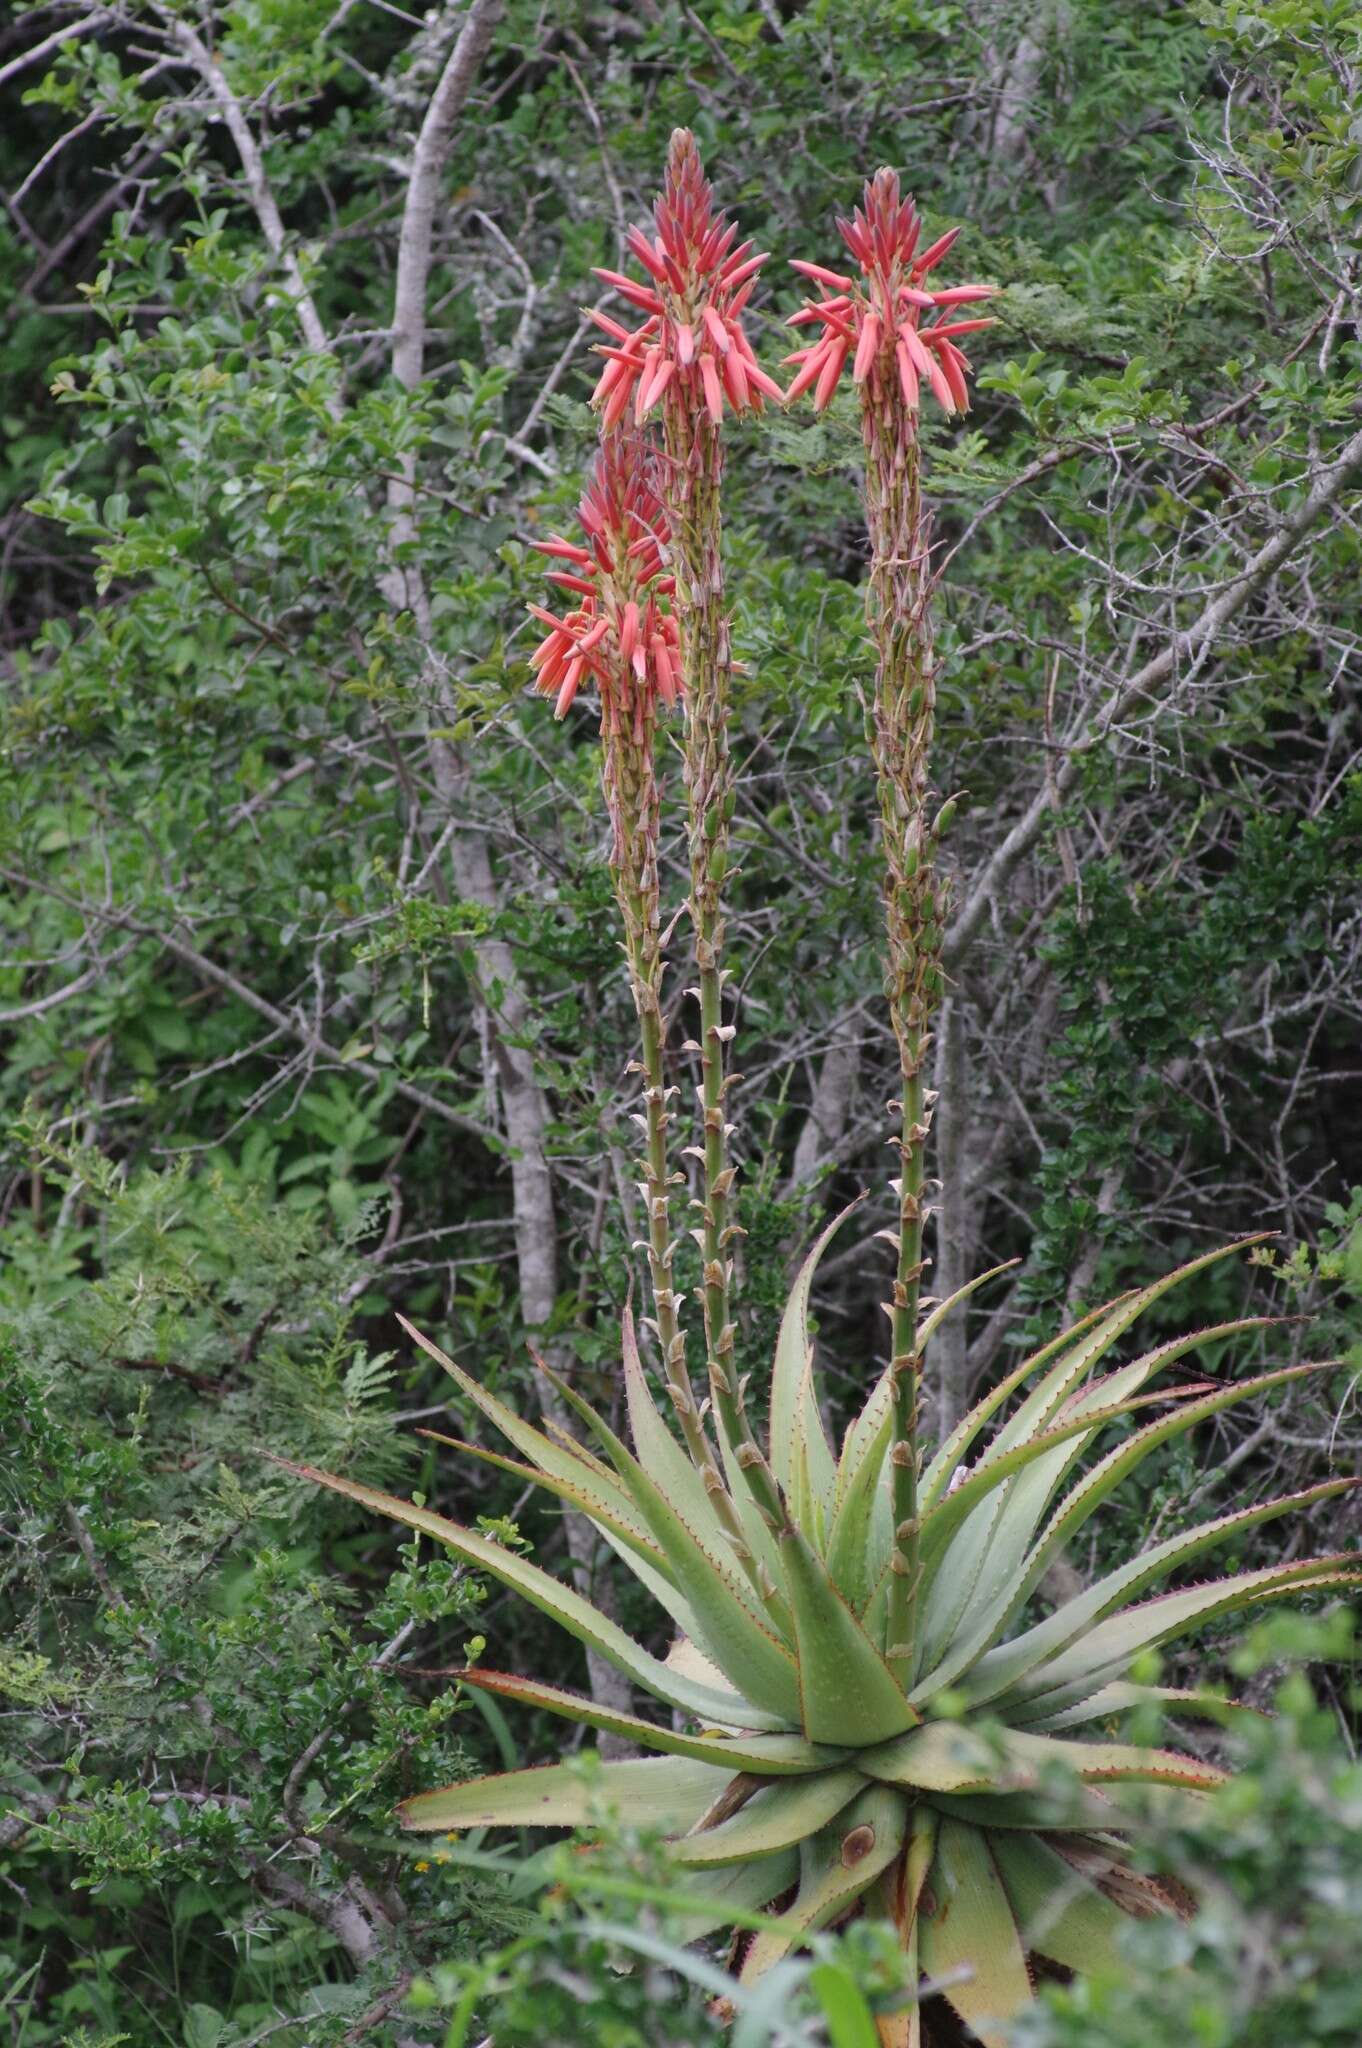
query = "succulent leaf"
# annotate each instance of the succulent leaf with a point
(775, 1817)
(847, 1692)
(801, 1457)
(562, 1604)
(806, 1779)
(1059, 1914)
(968, 1926)
(774, 1756)
(660, 1792)
(837, 1865)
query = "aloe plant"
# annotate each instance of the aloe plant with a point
(866, 1711)
(805, 1776)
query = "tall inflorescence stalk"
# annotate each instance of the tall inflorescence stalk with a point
(691, 357)
(875, 321)
(621, 636)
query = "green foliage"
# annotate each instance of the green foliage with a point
(1275, 1861)
(237, 966)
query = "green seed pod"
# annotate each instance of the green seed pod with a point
(718, 864)
(945, 817)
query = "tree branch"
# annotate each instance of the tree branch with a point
(1194, 644)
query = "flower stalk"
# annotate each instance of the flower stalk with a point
(874, 322)
(622, 638)
(692, 357)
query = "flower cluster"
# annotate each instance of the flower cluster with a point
(699, 279)
(618, 632)
(879, 321)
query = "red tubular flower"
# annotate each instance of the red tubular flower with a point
(619, 635)
(880, 314)
(697, 285)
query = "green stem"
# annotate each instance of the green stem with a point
(632, 796)
(901, 726)
(695, 463)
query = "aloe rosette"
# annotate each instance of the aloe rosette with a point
(794, 1771)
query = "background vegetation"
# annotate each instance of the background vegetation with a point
(311, 998)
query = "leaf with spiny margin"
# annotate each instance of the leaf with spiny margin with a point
(976, 1586)
(668, 1792)
(800, 1454)
(948, 1514)
(1058, 1912)
(972, 1928)
(852, 1553)
(640, 1552)
(844, 1682)
(943, 1520)
(1125, 1698)
(766, 1755)
(1108, 1650)
(562, 1604)
(947, 1460)
(948, 1756)
(837, 1865)
(663, 1458)
(776, 1817)
(556, 1460)
(728, 1619)
(869, 1434)
(1040, 1406)
(1002, 1667)
(715, 1892)
(971, 1650)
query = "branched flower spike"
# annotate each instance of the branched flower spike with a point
(877, 322)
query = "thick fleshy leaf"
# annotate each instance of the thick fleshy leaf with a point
(1106, 1652)
(950, 1756)
(959, 1637)
(767, 1755)
(971, 1927)
(600, 1493)
(669, 1792)
(949, 1458)
(648, 1564)
(777, 1817)
(669, 1465)
(870, 1432)
(1041, 1405)
(853, 1558)
(1002, 1667)
(1125, 1698)
(729, 1621)
(844, 1682)
(709, 1704)
(1083, 1807)
(1058, 1912)
(837, 1865)
(946, 1517)
(630, 1528)
(977, 1586)
(722, 1889)
(801, 1457)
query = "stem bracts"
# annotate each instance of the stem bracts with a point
(695, 467)
(897, 334)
